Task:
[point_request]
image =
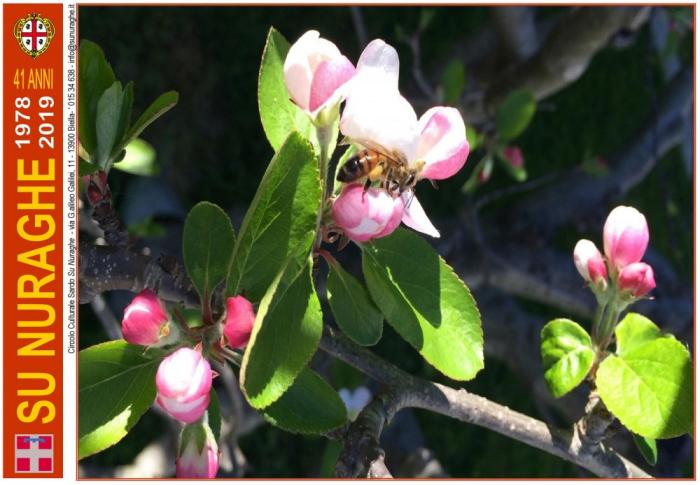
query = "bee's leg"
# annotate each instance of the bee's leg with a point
(388, 180)
(368, 183)
(433, 183)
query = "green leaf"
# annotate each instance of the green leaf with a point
(515, 114)
(214, 414)
(352, 307)
(158, 108)
(649, 388)
(86, 168)
(278, 114)
(281, 221)
(427, 304)
(207, 243)
(311, 405)
(109, 109)
(453, 82)
(647, 447)
(116, 386)
(567, 355)
(285, 336)
(634, 330)
(140, 159)
(94, 77)
(124, 116)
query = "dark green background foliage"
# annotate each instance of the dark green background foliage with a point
(212, 147)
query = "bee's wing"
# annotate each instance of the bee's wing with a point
(378, 148)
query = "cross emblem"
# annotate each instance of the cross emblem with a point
(34, 34)
(33, 453)
(32, 31)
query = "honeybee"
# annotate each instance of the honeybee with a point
(393, 172)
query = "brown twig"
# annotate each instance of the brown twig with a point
(409, 391)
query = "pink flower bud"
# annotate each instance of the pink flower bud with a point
(442, 143)
(183, 382)
(145, 320)
(589, 263)
(514, 156)
(637, 279)
(314, 70)
(239, 321)
(194, 461)
(366, 215)
(625, 236)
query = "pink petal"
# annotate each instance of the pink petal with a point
(415, 217)
(329, 76)
(443, 143)
(302, 60)
(625, 236)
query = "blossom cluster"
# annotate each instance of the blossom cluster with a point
(376, 116)
(184, 377)
(625, 239)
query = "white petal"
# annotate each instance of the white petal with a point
(380, 62)
(380, 118)
(415, 217)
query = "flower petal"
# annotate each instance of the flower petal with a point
(415, 217)
(303, 58)
(442, 144)
(329, 76)
(379, 64)
(380, 119)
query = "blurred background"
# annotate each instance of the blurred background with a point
(611, 91)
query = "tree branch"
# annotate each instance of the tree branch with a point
(105, 268)
(470, 408)
(565, 54)
(516, 31)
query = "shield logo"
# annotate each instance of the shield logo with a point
(34, 34)
(33, 453)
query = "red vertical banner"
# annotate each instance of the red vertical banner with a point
(32, 240)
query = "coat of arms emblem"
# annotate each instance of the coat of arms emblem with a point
(34, 34)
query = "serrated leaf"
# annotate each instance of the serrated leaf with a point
(425, 301)
(285, 336)
(515, 114)
(278, 114)
(634, 330)
(140, 159)
(567, 355)
(353, 308)
(281, 221)
(649, 388)
(311, 405)
(94, 77)
(116, 385)
(155, 110)
(109, 109)
(207, 243)
(647, 447)
(453, 82)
